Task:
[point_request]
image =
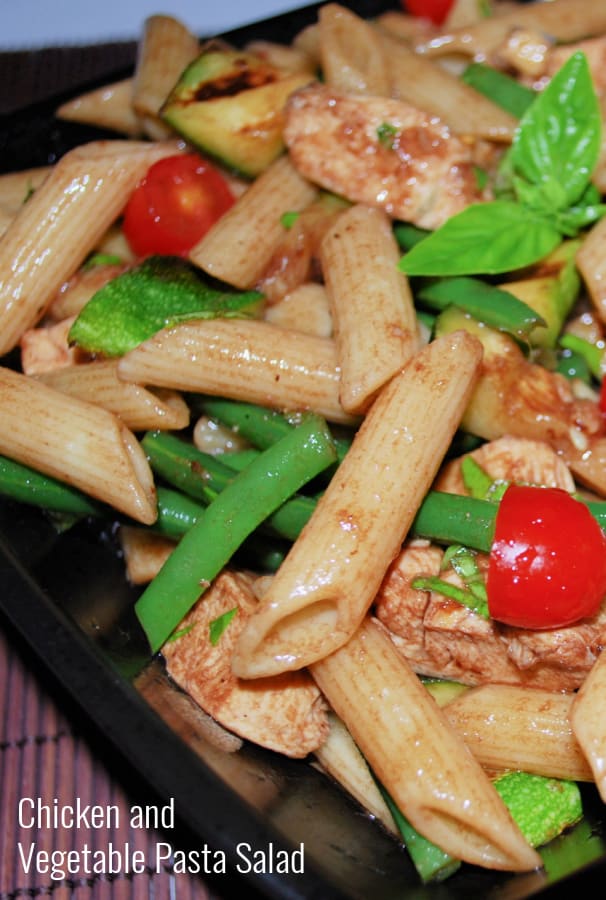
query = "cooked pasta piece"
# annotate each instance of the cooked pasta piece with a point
(285, 57)
(352, 55)
(62, 222)
(243, 360)
(110, 106)
(144, 553)
(166, 48)
(137, 407)
(591, 261)
(339, 757)
(327, 582)
(239, 246)
(372, 307)
(306, 309)
(419, 759)
(588, 724)
(428, 86)
(565, 20)
(508, 727)
(75, 293)
(77, 442)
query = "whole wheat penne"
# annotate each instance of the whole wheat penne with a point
(137, 407)
(6, 217)
(62, 222)
(329, 579)
(404, 735)
(428, 86)
(245, 360)
(110, 106)
(564, 20)
(166, 48)
(144, 551)
(306, 309)
(17, 187)
(75, 293)
(372, 307)
(352, 55)
(591, 262)
(239, 246)
(511, 727)
(588, 723)
(76, 442)
(340, 758)
(285, 57)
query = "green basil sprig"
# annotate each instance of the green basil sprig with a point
(544, 188)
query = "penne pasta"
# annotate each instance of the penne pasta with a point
(327, 582)
(144, 553)
(372, 307)
(245, 360)
(352, 55)
(587, 718)
(591, 262)
(402, 733)
(564, 20)
(136, 406)
(420, 82)
(508, 727)
(110, 106)
(17, 187)
(240, 245)
(165, 50)
(306, 309)
(62, 222)
(340, 758)
(77, 442)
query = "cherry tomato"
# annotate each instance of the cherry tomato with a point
(434, 10)
(547, 565)
(174, 205)
(602, 401)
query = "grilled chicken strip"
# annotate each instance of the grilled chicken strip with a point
(381, 152)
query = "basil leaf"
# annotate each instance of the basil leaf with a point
(161, 292)
(559, 136)
(485, 238)
(218, 625)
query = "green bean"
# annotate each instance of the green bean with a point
(503, 90)
(456, 519)
(493, 306)
(203, 476)
(591, 353)
(223, 526)
(259, 425)
(22, 483)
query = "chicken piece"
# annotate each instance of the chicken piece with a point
(511, 459)
(46, 349)
(285, 713)
(442, 638)
(381, 152)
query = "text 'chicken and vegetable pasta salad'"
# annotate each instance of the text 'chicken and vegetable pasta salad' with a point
(322, 330)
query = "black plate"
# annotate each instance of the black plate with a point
(68, 598)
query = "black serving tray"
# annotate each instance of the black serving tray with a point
(66, 596)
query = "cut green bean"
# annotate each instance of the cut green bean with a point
(493, 306)
(502, 89)
(26, 485)
(259, 425)
(455, 519)
(237, 511)
(203, 476)
(177, 513)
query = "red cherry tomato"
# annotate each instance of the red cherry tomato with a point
(434, 10)
(174, 205)
(602, 401)
(547, 565)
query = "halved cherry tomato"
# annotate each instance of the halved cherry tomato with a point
(174, 205)
(434, 10)
(547, 565)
